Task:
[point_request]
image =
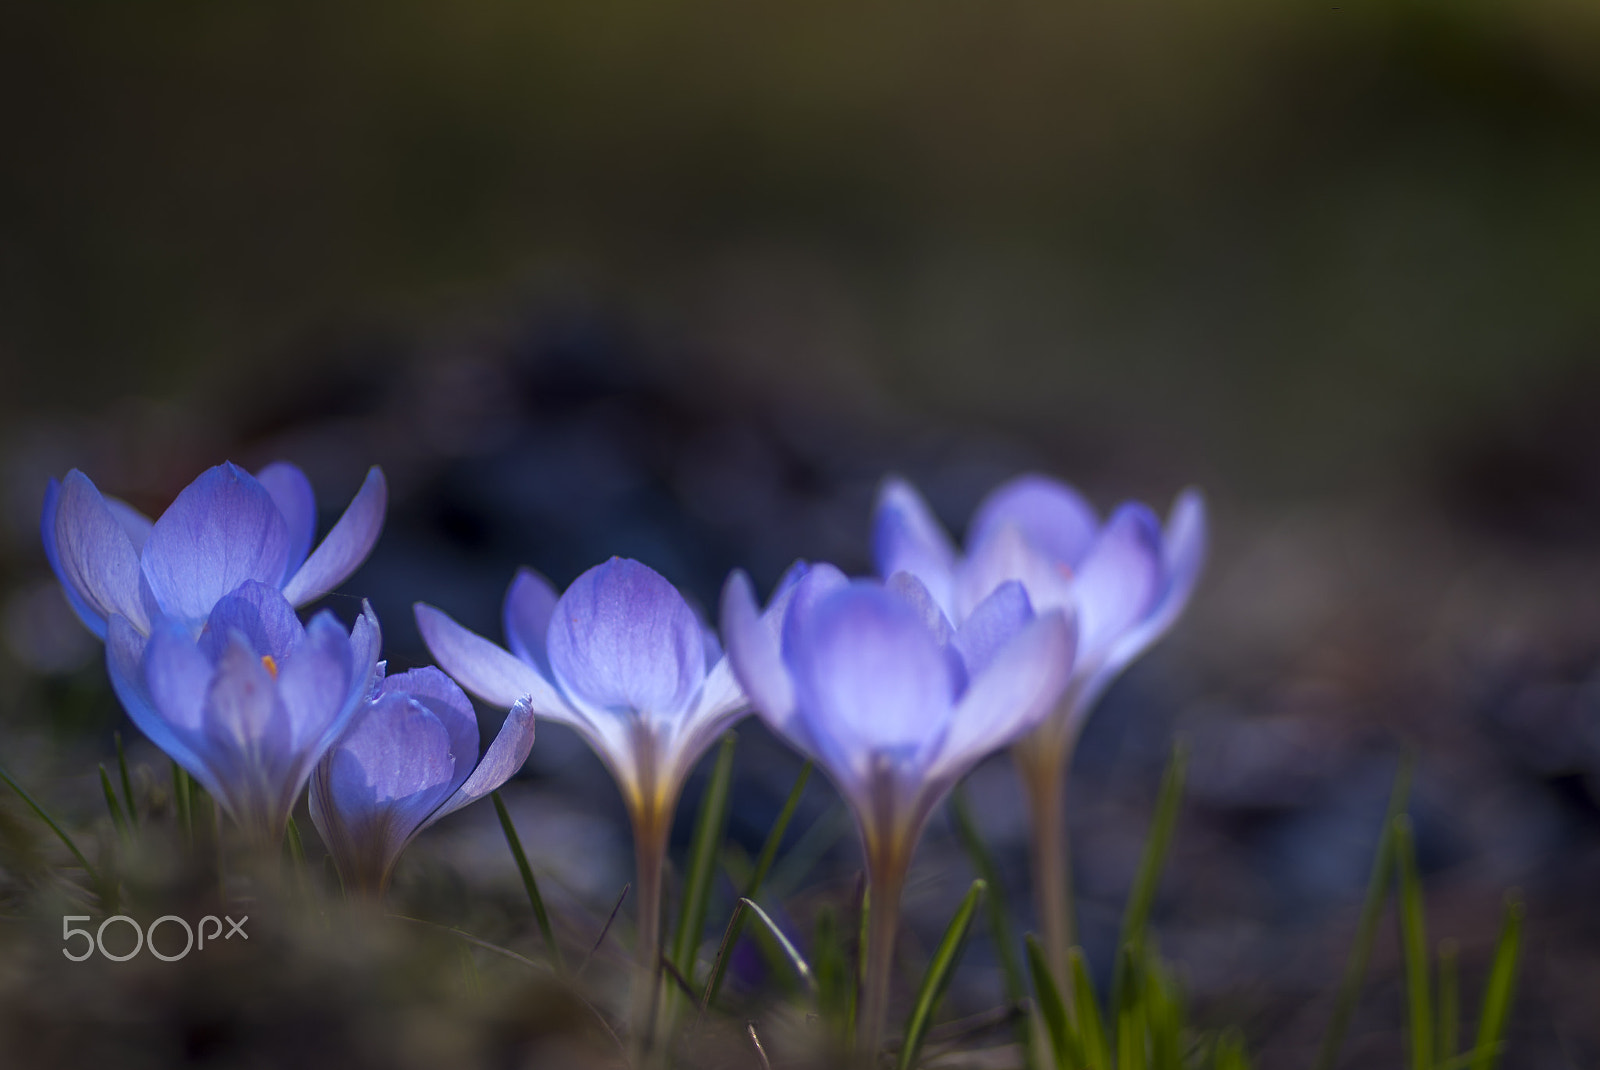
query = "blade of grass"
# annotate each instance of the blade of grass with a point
(1142, 896)
(999, 913)
(528, 883)
(710, 826)
(801, 967)
(113, 805)
(297, 849)
(183, 802)
(1448, 1033)
(127, 781)
(94, 875)
(937, 977)
(834, 977)
(604, 930)
(1367, 927)
(1229, 1053)
(1131, 1031)
(1066, 1052)
(1414, 939)
(752, 887)
(1091, 1027)
(1498, 992)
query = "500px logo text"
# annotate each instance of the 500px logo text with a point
(146, 938)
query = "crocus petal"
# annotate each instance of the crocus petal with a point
(1054, 518)
(346, 546)
(135, 523)
(500, 762)
(241, 703)
(530, 600)
(870, 680)
(907, 537)
(181, 673)
(993, 624)
(261, 614)
(291, 492)
(486, 670)
(439, 694)
(395, 759)
(910, 589)
(754, 651)
(314, 684)
(1017, 691)
(93, 555)
(623, 639)
(1006, 554)
(1119, 580)
(222, 530)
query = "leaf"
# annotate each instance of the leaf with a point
(1499, 990)
(1367, 927)
(1448, 1033)
(1414, 938)
(1091, 1027)
(113, 805)
(1064, 1045)
(796, 960)
(1142, 897)
(709, 828)
(127, 781)
(94, 876)
(769, 853)
(937, 977)
(1000, 925)
(528, 883)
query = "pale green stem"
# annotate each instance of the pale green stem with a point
(1045, 764)
(649, 848)
(886, 872)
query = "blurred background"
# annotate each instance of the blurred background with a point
(683, 282)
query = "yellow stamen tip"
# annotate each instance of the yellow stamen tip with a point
(271, 664)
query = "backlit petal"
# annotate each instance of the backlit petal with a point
(346, 546)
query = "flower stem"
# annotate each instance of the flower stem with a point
(885, 879)
(1044, 772)
(649, 847)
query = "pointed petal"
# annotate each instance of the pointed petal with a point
(315, 687)
(1119, 580)
(911, 590)
(134, 523)
(394, 760)
(530, 600)
(346, 546)
(241, 711)
(182, 675)
(907, 537)
(439, 694)
(754, 652)
(92, 555)
(623, 639)
(222, 530)
(291, 492)
(993, 624)
(500, 762)
(1052, 517)
(261, 614)
(870, 680)
(1018, 691)
(1006, 554)
(486, 670)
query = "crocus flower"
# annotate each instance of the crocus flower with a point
(251, 704)
(1128, 579)
(622, 659)
(408, 758)
(873, 683)
(225, 528)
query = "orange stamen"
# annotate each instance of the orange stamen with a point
(271, 664)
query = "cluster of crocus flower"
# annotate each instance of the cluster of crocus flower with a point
(896, 686)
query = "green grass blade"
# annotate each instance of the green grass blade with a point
(1091, 1027)
(937, 977)
(1163, 1015)
(801, 967)
(1142, 897)
(127, 781)
(183, 802)
(1229, 1053)
(113, 805)
(1448, 1032)
(1065, 1049)
(1414, 939)
(752, 887)
(94, 875)
(1499, 990)
(835, 980)
(709, 828)
(999, 913)
(1131, 1029)
(1367, 927)
(297, 848)
(528, 883)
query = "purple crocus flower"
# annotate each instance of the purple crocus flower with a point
(872, 682)
(225, 528)
(1128, 579)
(251, 704)
(409, 757)
(622, 659)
